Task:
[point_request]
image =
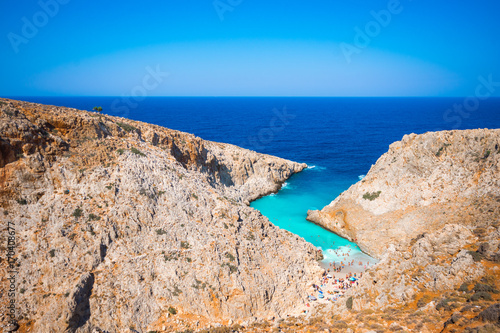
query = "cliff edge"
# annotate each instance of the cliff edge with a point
(121, 225)
(422, 183)
(430, 210)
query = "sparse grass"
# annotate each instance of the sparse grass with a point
(137, 151)
(230, 256)
(194, 196)
(120, 151)
(371, 196)
(464, 287)
(109, 187)
(232, 268)
(22, 202)
(185, 245)
(444, 304)
(176, 291)
(172, 310)
(52, 253)
(484, 287)
(476, 256)
(172, 256)
(9, 113)
(220, 329)
(487, 154)
(199, 285)
(424, 301)
(481, 295)
(348, 303)
(93, 217)
(189, 259)
(127, 127)
(160, 232)
(77, 213)
(441, 150)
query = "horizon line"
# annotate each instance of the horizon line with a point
(230, 96)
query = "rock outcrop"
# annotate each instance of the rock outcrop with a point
(422, 183)
(430, 210)
(122, 225)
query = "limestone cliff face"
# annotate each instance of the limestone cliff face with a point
(430, 210)
(119, 222)
(422, 183)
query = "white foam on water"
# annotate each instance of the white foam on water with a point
(347, 254)
(315, 167)
(360, 177)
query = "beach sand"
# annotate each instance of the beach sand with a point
(340, 264)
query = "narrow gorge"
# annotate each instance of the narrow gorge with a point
(124, 226)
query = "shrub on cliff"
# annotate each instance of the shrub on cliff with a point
(137, 151)
(371, 196)
(348, 303)
(481, 295)
(484, 287)
(491, 314)
(127, 127)
(476, 256)
(77, 213)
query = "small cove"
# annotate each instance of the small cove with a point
(287, 209)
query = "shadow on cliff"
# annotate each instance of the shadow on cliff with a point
(79, 305)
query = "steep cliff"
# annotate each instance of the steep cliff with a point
(430, 210)
(422, 183)
(122, 225)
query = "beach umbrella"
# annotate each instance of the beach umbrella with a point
(352, 279)
(312, 298)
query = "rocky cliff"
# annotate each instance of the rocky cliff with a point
(422, 183)
(430, 210)
(126, 226)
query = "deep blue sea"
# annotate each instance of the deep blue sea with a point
(339, 138)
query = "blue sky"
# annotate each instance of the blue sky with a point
(248, 48)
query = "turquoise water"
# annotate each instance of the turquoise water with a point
(305, 191)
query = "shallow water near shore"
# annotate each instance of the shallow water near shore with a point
(305, 191)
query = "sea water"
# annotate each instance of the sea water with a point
(339, 138)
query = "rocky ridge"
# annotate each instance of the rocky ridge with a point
(430, 210)
(127, 226)
(422, 183)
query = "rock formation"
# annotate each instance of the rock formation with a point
(422, 183)
(430, 210)
(126, 226)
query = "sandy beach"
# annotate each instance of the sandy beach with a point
(343, 266)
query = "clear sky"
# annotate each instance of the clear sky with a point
(248, 47)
